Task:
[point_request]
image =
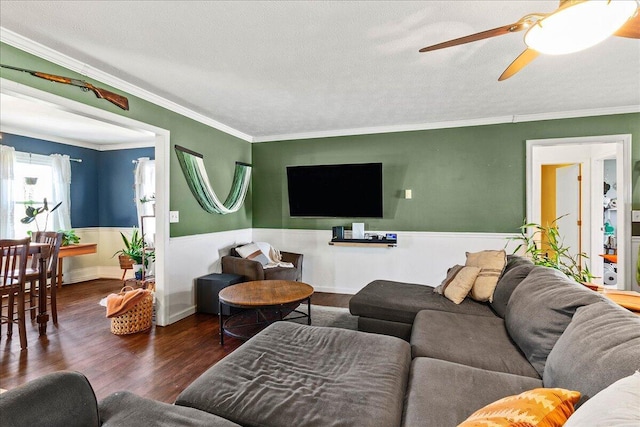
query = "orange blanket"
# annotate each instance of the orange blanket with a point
(118, 304)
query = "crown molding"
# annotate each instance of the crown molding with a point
(51, 55)
(454, 124)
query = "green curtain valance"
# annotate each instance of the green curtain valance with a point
(194, 171)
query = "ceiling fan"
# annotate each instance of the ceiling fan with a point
(575, 25)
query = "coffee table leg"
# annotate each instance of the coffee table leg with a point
(220, 320)
(309, 311)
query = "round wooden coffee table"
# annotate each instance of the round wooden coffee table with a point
(264, 302)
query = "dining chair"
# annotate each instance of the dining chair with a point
(32, 275)
(13, 264)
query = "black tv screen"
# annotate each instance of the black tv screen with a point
(349, 190)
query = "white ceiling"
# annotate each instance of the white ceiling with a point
(281, 69)
(35, 118)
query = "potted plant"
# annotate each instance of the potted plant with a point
(555, 254)
(32, 214)
(134, 252)
(69, 237)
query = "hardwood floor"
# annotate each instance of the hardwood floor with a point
(157, 364)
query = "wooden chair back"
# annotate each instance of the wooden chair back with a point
(54, 240)
(13, 264)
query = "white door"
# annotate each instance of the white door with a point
(568, 206)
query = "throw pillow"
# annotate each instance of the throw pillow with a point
(491, 264)
(252, 252)
(458, 283)
(540, 407)
(451, 271)
(616, 405)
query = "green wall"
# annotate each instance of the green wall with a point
(220, 150)
(464, 179)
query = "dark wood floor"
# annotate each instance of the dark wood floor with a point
(157, 364)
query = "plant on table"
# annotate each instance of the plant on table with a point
(69, 237)
(555, 254)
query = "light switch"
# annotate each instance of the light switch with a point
(635, 216)
(174, 216)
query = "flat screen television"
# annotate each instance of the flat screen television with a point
(347, 190)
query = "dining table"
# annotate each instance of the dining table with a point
(44, 251)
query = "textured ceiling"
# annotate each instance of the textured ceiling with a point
(277, 68)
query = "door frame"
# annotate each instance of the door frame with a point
(623, 157)
(162, 157)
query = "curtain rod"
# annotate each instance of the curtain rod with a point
(70, 159)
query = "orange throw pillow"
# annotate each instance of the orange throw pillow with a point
(540, 407)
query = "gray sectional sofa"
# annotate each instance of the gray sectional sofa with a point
(540, 330)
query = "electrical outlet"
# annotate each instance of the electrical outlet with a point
(174, 216)
(635, 216)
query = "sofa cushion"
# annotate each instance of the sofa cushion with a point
(540, 309)
(442, 393)
(400, 302)
(64, 399)
(491, 263)
(544, 407)
(125, 409)
(600, 346)
(297, 375)
(477, 341)
(623, 395)
(511, 278)
(385, 327)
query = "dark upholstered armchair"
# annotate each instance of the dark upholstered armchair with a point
(253, 270)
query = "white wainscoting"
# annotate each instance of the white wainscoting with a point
(101, 264)
(190, 257)
(420, 257)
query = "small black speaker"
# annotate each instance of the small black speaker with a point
(338, 232)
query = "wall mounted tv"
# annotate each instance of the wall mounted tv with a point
(348, 190)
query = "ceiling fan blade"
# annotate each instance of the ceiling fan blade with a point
(519, 63)
(511, 28)
(631, 28)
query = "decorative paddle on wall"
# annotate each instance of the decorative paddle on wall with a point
(575, 25)
(194, 171)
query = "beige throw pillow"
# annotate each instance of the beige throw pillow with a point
(491, 264)
(458, 283)
(252, 252)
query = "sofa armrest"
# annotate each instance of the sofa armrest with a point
(62, 398)
(250, 270)
(296, 260)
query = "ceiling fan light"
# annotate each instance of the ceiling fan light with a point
(579, 26)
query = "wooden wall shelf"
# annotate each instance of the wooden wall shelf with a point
(358, 244)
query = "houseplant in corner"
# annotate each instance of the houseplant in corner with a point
(134, 252)
(555, 254)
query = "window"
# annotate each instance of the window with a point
(32, 184)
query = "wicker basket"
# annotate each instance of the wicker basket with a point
(137, 319)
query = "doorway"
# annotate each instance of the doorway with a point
(162, 144)
(566, 177)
